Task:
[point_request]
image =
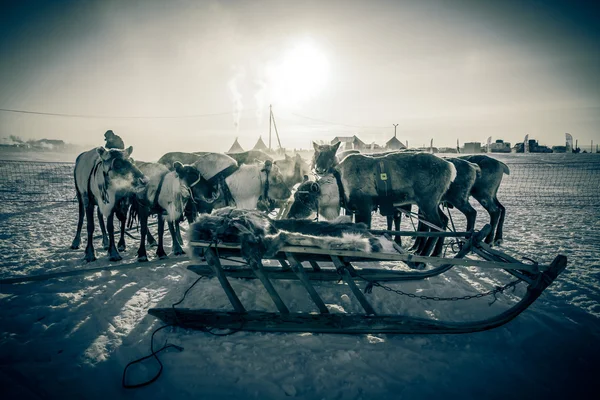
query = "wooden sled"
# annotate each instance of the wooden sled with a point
(538, 278)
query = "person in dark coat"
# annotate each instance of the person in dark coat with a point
(113, 141)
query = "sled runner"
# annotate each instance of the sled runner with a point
(311, 264)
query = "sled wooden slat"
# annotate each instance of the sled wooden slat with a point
(345, 272)
(257, 268)
(324, 255)
(259, 321)
(324, 274)
(315, 266)
(501, 257)
(213, 261)
(331, 274)
(301, 274)
(422, 234)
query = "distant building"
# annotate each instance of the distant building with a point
(447, 150)
(260, 145)
(235, 147)
(471, 147)
(534, 147)
(394, 144)
(500, 147)
(349, 143)
(559, 149)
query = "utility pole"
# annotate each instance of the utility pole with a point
(270, 117)
(395, 125)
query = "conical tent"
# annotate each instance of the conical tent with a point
(235, 147)
(394, 144)
(260, 145)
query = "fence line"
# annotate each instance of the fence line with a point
(37, 181)
(530, 183)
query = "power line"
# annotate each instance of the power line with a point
(117, 116)
(335, 123)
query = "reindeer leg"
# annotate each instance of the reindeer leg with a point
(113, 253)
(105, 243)
(160, 252)
(150, 239)
(177, 250)
(364, 215)
(89, 250)
(421, 227)
(490, 205)
(143, 217)
(77, 241)
(121, 245)
(421, 241)
(190, 212)
(432, 214)
(178, 231)
(397, 221)
(470, 214)
(439, 244)
(498, 239)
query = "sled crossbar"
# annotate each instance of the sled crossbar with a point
(341, 268)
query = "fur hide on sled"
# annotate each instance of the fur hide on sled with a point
(261, 236)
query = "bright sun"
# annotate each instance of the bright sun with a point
(299, 75)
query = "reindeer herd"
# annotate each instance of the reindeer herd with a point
(181, 185)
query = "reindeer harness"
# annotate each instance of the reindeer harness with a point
(384, 189)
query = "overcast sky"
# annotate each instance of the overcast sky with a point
(441, 70)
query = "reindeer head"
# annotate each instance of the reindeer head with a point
(120, 173)
(293, 169)
(200, 189)
(306, 200)
(276, 187)
(324, 157)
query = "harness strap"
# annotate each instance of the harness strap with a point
(384, 188)
(155, 205)
(340, 186)
(219, 179)
(221, 175)
(266, 189)
(229, 200)
(103, 188)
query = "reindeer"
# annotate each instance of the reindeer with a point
(250, 157)
(457, 196)
(245, 184)
(246, 157)
(419, 178)
(167, 195)
(485, 191)
(185, 158)
(103, 177)
(293, 169)
(482, 176)
(326, 157)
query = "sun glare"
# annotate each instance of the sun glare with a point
(299, 75)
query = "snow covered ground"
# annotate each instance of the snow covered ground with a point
(72, 337)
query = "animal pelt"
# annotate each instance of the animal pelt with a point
(261, 236)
